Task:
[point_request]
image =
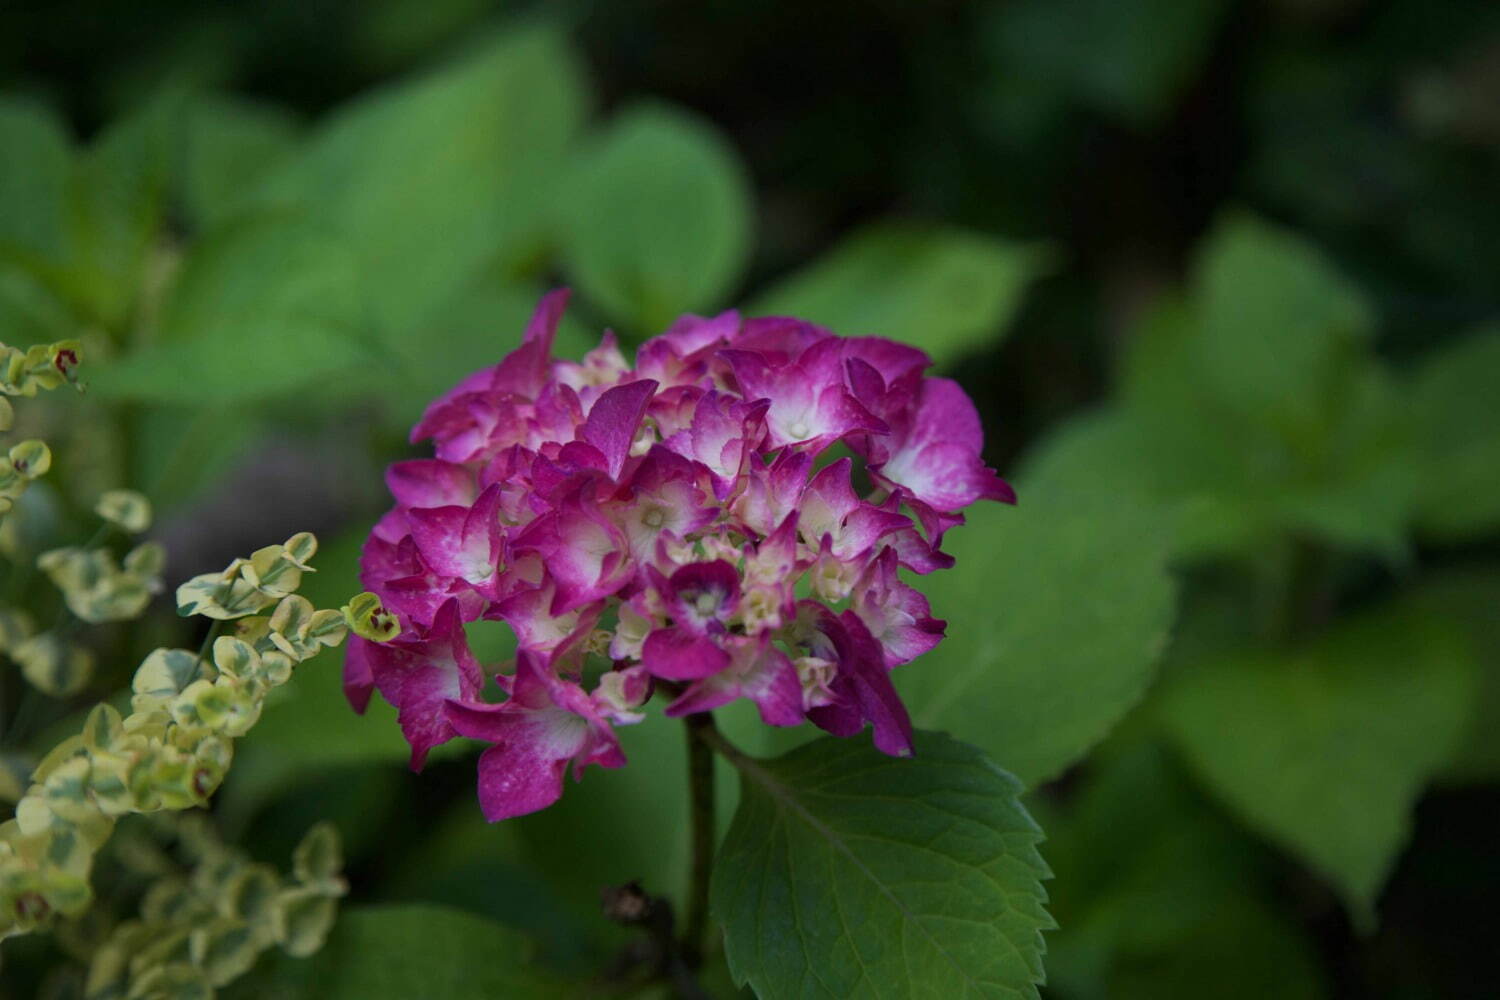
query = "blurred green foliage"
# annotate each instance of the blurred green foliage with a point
(1219, 274)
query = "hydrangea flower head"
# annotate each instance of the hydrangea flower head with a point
(694, 527)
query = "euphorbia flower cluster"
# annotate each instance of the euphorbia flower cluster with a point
(728, 519)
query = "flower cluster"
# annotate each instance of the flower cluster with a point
(728, 519)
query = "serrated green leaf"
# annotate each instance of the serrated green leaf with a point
(1325, 748)
(1457, 411)
(942, 289)
(405, 951)
(435, 178)
(657, 218)
(261, 308)
(847, 873)
(1057, 611)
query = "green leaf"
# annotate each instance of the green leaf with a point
(1457, 413)
(1325, 748)
(1276, 322)
(1057, 611)
(35, 161)
(1158, 896)
(1109, 452)
(847, 873)
(482, 323)
(261, 308)
(657, 218)
(400, 952)
(230, 145)
(1233, 483)
(942, 289)
(116, 209)
(433, 179)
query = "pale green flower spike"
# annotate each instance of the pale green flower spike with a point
(368, 619)
(52, 665)
(98, 590)
(200, 930)
(40, 367)
(170, 753)
(249, 585)
(127, 509)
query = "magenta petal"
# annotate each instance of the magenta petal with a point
(612, 422)
(359, 682)
(431, 482)
(678, 655)
(514, 780)
(420, 674)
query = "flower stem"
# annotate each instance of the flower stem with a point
(701, 792)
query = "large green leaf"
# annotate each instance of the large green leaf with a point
(847, 873)
(1276, 321)
(1057, 611)
(474, 329)
(1233, 479)
(229, 146)
(407, 951)
(263, 307)
(431, 180)
(1456, 399)
(1158, 897)
(657, 218)
(1324, 749)
(35, 161)
(942, 289)
(81, 224)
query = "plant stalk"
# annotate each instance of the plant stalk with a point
(704, 833)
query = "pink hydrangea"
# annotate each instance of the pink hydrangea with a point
(676, 528)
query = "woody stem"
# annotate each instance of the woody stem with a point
(701, 794)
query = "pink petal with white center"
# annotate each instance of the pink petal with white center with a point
(529, 615)
(758, 671)
(585, 554)
(935, 457)
(547, 723)
(916, 553)
(418, 674)
(613, 420)
(601, 366)
(771, 494)
(723, 433)
(431, 482)
(898, 617)
(459, 542)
